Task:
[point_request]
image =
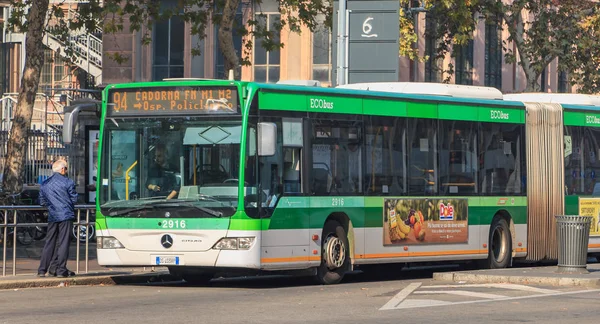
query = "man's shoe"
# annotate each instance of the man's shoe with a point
(67, 274)
(41, 275)
(52, 273)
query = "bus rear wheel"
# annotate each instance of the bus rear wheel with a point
(335, 255)
(500, 245)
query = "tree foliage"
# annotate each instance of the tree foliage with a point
(222, 13)
(541, 30)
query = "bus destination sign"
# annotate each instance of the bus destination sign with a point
(172, 101)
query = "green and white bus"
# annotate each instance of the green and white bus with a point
(206, 176)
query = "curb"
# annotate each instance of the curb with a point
(524, 280)
(108, 280)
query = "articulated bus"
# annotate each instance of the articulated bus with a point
(211, 176)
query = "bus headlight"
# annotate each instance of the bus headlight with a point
(234, 243)
(108, 242)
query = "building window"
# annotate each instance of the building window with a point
(563, 82)
(463, 61)
(267, 64)
(168, 49)
(321, 53)
(433, 65)
(3, 67)
(543, 80)
(493, 55)
(52, 71)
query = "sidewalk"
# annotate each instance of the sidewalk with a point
(26, 275)
(543, 275)
(26, 269)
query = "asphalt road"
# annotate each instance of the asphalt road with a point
(404, 297)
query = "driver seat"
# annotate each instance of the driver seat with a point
(210, 175)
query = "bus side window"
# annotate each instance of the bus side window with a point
(291, 171)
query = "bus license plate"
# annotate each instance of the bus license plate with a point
(167, 260)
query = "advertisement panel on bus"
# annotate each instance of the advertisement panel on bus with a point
(425, 221)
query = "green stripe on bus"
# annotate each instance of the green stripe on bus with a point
(422, 110)
(312, 212)
(330, 104)
(501, 115)
(576, 118)
(159, 223)
(456, 112)
(282, 101)
(384, 108)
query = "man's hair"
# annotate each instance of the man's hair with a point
(59, 165)
(160, 147)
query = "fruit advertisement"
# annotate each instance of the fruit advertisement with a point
(423, 221)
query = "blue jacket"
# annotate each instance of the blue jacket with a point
(59, 195)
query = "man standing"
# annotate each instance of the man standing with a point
(59, 195)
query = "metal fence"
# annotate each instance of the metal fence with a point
(45, 143)
(18, 224)
(43, 148)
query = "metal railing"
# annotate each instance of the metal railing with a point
(5, 225)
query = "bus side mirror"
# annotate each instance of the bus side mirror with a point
(267, 137)
(72, 115)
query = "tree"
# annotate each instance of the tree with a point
(34, 60)
(29, 16)
(35, 18)
(541, 30)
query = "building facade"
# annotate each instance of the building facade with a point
(307, 56)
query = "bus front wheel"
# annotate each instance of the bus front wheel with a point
(500, 245)
(335, 255)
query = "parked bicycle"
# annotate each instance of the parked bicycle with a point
(26, 235)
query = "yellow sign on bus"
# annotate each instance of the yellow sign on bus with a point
(172, 100)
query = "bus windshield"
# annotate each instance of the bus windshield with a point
(151, 165)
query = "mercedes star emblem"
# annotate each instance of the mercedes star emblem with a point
(166, 241)
(167, 214)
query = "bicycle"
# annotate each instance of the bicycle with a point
(25, 235)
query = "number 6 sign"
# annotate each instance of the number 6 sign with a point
(368, 28)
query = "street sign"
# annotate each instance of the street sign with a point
(372, 47)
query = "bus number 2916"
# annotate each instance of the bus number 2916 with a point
(335, 202)
(172, 224)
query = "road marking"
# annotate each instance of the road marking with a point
(396, 300)
(503, 286)
(421, 303)
(414, 303)
(461, 293)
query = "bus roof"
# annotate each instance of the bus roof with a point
(429, 88)
(358, 90)
(560, 98)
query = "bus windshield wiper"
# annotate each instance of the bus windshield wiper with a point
(176, 203)
(123, 212)
(207, 210)
(207, 197)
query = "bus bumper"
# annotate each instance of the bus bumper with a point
(249, 259)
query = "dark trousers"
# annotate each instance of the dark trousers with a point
(56, 249)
